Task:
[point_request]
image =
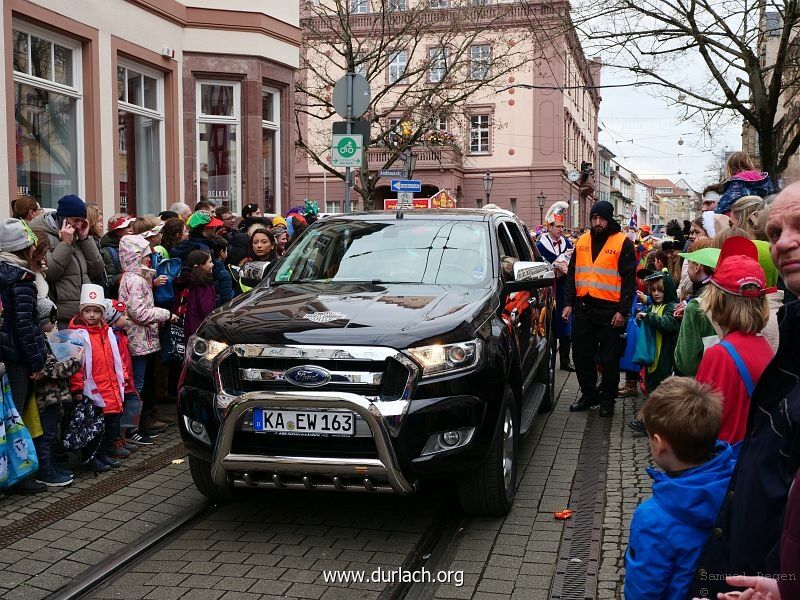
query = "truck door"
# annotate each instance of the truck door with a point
(516, 310)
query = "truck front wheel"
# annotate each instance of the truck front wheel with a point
(490, 489)
(201, 475)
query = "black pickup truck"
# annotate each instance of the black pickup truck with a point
(382, 350)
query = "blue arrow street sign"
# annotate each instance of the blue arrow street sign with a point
(406, 185)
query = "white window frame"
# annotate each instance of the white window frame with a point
(361, 67)
(74, 91)
(359, 7)
(479, 129)
(438, 3)
(396, 5)
(394, 63)
(441, 123)
(438, 57)
(157, 115)
(481, 3)
(236, 119)
(275, 126)
(477, 59)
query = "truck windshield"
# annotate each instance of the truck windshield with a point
(435, 252)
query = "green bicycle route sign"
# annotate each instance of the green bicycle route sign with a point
(347, 150)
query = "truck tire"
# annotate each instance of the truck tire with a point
(547, 377)
(489, 490)
(201, 475)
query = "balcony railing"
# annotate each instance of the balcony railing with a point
(445, 157)
(528, 13)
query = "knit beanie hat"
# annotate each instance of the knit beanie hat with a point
(15, 235)
(46, 310)
(114, 309)
(604, 209)
(71, 206)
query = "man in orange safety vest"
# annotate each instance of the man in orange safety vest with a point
(601, 286)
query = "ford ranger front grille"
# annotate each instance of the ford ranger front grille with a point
(385, 378)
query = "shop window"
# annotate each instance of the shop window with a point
(218, 143)
(271, 148)
(48, 107)
(140, 125)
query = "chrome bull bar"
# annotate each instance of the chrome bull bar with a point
(386, 466)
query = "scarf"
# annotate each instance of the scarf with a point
(659, 310)
(89, 386)
(548, 244)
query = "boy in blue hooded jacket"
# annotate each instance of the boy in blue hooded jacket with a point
(669, 531)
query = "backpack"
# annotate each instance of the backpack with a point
(164, 295)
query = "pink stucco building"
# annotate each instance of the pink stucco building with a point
(533, 128)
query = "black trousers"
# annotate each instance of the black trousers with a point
(595, 340)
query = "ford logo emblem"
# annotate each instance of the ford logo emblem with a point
(307, 376)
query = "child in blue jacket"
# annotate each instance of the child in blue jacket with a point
(669, 531)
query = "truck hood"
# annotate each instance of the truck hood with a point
(393, 315)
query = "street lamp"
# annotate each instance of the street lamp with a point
(542, 199)
(488, 180)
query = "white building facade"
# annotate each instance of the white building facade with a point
(136, 104)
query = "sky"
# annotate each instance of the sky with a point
(644, 131)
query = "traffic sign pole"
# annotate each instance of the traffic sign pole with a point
(349, 120)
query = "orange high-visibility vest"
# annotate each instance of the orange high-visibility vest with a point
(599, 278)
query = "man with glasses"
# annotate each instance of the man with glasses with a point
(557, 250)
(228, 219)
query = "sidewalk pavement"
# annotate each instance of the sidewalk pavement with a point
(48, 539)
(517, 556)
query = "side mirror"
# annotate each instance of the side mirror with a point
(527, 271)
(253, 272)
(530, 276)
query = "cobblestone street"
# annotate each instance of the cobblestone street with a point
(278, 544)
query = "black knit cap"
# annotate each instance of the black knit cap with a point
(604, 209)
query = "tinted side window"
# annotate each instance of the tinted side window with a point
(507, 246)
(523, 249)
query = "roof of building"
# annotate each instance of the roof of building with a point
(659, 183)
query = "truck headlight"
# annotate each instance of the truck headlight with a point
(443, 359)
(203, 352)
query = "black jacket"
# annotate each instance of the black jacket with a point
(627, 270)
(747, 533)
(21, 338)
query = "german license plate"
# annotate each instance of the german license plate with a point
(308, 422)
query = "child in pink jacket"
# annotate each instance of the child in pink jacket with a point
(144, 318)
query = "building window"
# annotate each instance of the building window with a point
(514, 205)
(140, 125)
(438, 61)
(479, 57)
(479, 131)
(396, 5)
(397, 67)
(48, 107)
(480, 2)
(439, 3)
(332, 206)
(478, 202)
(360, 64)
(360, 7)
(271, 148)
(441, 123)
(218, 143)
